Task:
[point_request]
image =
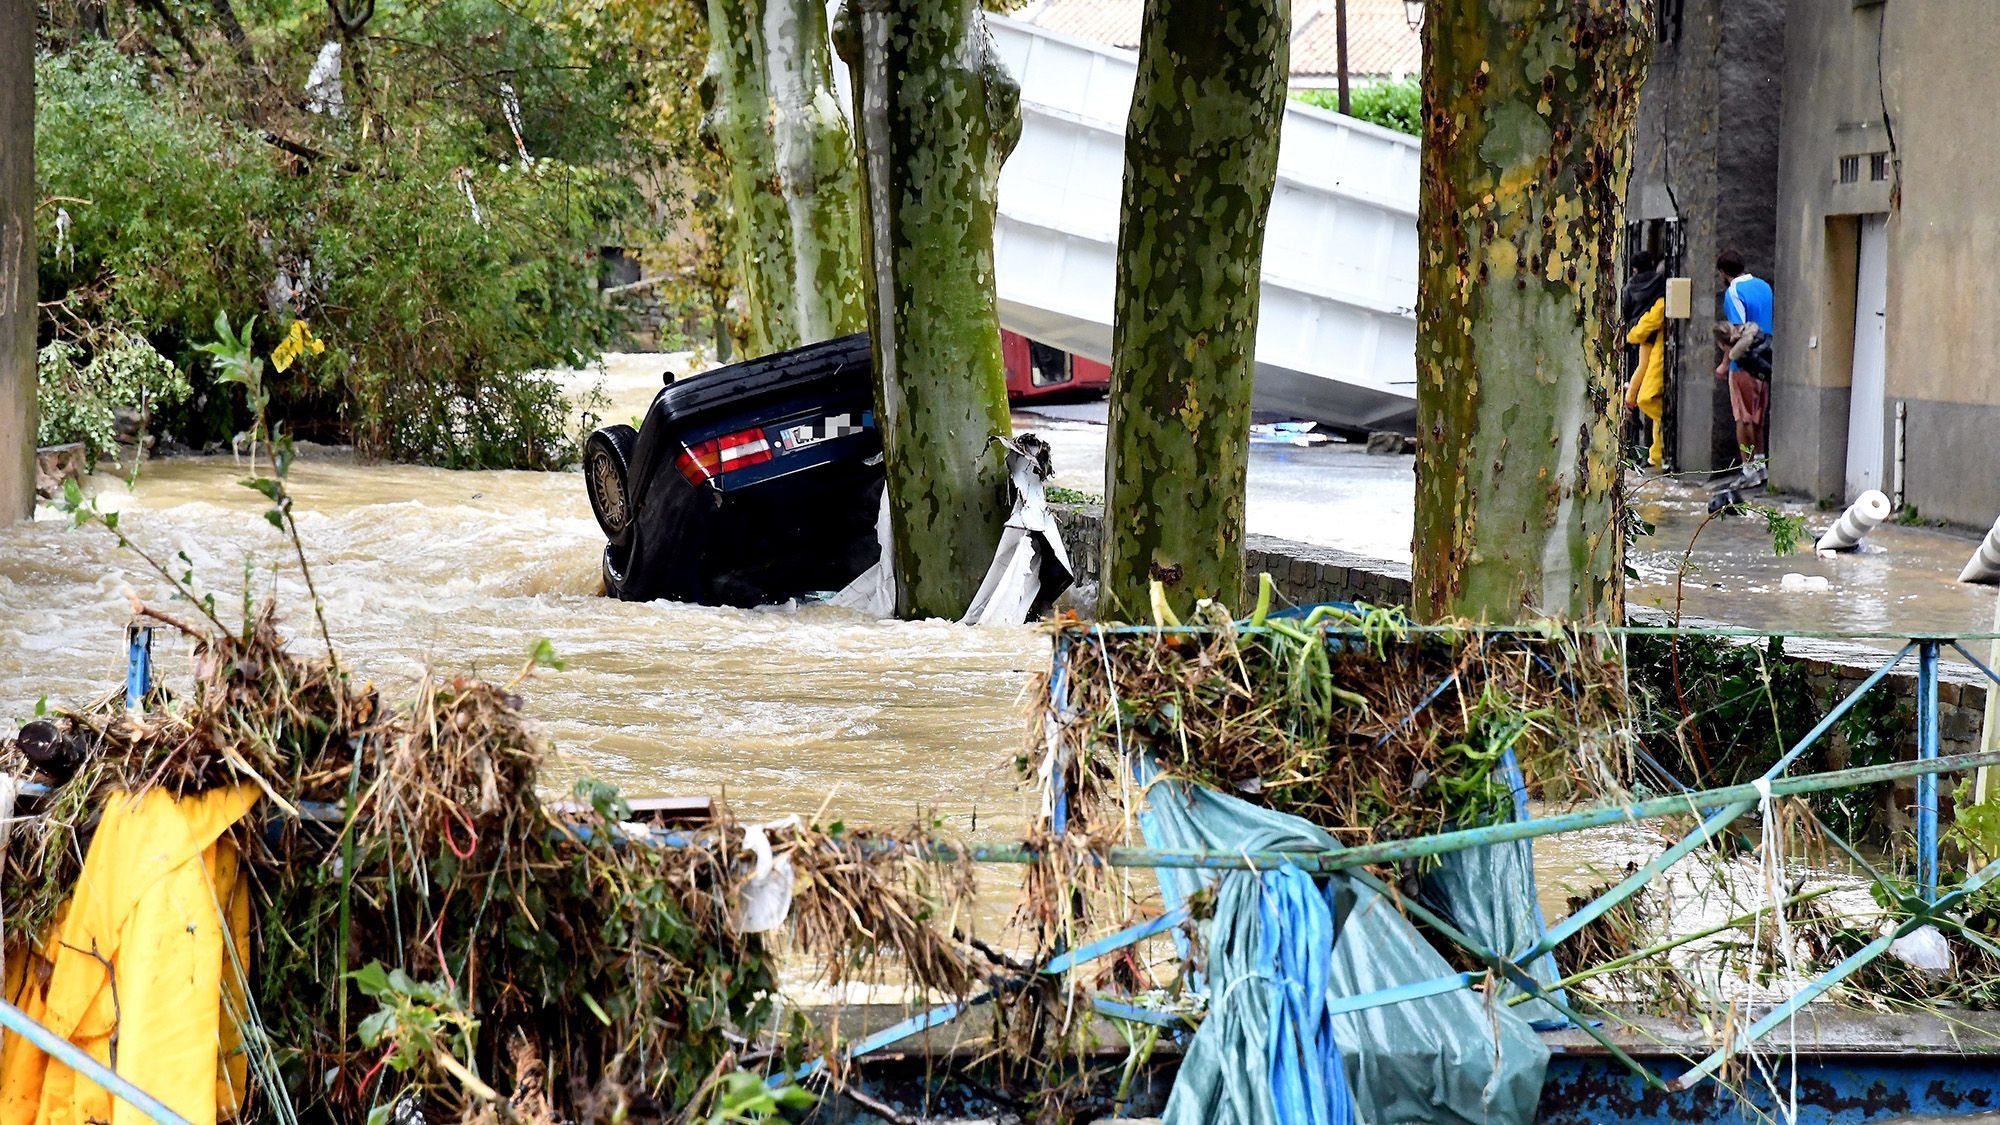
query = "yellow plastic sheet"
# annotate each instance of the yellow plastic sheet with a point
(136, 964)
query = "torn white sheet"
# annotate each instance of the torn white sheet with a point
(324, 93)
(874, 592)
(1031, 566)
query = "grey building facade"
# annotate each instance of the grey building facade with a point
(1704, 179)
(1888, 315)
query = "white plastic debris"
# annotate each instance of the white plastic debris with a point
(1861, 517)
(464, 179)
(874, 591)
(766, 897)
(1795, 583)
(63, 247)
(1031, 566)
(1030, 569)
(324, 93)
(510, 108)
(1925, 950)
(1984, 565)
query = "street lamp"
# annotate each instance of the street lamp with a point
(1413, 11)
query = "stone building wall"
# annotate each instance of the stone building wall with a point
(1890, 131)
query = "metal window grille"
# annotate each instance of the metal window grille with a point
(1850, 169)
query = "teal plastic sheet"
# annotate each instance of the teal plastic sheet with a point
(1446, 1058)
(1490, 893)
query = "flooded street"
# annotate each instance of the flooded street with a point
(780, 710)
(1337, 495)
(1903, 578)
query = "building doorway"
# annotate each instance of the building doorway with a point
(1666, 239)
(1868, 402)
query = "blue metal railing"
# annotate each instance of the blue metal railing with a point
(1718, 808)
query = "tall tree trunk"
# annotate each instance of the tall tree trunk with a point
(793, 185)
(1201, 159)
(930, 173)
(1528, 108)
(17, 260)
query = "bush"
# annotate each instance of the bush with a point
(1397, 105)
(78, 401)
(441, 279)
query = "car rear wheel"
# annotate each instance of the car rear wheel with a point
(607, 460)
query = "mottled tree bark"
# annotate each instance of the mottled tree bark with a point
(1201, 159)
(793, 185)
(935, 115)
(1528, 108)
(17, 260)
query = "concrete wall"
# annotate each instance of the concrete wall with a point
(17, 259)
(1705, 153)
(1939, 84)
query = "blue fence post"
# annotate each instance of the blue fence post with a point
(1058, 766)
(1927, 784)
(138, 665)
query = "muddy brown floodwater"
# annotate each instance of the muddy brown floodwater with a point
(780, 710)
(464, 571)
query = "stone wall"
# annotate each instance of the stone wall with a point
(1305, 574)
(647, 316)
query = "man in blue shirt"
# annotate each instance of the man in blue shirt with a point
(1746, 302)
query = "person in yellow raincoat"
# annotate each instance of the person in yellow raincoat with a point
(1647, 389)
(142, 968)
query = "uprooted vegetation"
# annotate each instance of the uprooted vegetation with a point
(1377, 731)
(456, 941)
(1377, 734)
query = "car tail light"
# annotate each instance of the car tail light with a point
(704, 461)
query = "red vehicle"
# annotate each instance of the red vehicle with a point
(1037, 372)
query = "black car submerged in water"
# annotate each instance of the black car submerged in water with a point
(745, 485)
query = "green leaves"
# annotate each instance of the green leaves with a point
(273, 490)
(543, 655)
(603, 798)
(745, 1098)
(1785, 530)
(235, 361)
(417, 1019)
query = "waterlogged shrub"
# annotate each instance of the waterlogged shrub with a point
(78, 400)
(440, 279)
(64, 413)
(152, 216)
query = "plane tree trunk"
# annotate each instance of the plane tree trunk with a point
(17, 261)
(1528, 109)
(772, 115)
(935, 114)
(1201, 159)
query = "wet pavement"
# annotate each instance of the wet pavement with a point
(1338, 495)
